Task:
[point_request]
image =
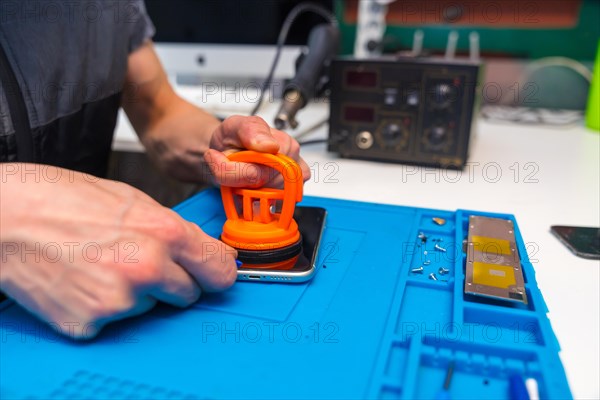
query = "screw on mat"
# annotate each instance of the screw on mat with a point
(439, 248)
(443, 271)
(433, 277)
(418, 270)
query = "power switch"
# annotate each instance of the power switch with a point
(390, 97)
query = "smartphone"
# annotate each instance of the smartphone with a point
(311, 223)
(583, 242)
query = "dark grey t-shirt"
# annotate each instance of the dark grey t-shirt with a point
(69, 58)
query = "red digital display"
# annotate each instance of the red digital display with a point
(359, 114)
(361, 79)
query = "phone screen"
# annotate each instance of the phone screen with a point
(311, 221)
(582, 241)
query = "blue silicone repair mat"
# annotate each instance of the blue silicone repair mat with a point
(364, 327)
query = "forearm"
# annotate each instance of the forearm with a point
(187, 142)
(18, 196)
(175, 133)
(178, 140)
(9, 200)
(24, 193)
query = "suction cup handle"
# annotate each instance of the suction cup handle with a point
(292, 184)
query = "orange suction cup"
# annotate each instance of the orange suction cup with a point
(264, 237)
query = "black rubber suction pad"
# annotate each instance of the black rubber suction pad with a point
(270, 256)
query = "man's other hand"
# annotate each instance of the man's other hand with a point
(80, 252)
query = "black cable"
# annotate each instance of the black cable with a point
(311, 128)
(287, 23)
(319, 141)
(314, 141)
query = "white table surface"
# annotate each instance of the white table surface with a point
(543, 175)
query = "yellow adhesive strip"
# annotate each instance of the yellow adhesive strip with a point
(491, 245)
(499, 276)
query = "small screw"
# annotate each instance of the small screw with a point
(439, 248)
(425, 252)
(433, 277)
(443, 271)
(422, 236)
(426, 262)
(418, 270)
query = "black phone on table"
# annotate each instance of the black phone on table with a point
(582, 241)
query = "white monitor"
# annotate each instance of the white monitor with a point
(188, 61)
(199, 40)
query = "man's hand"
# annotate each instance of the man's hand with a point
(252, 133)
(80, 252)
(189, 143)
